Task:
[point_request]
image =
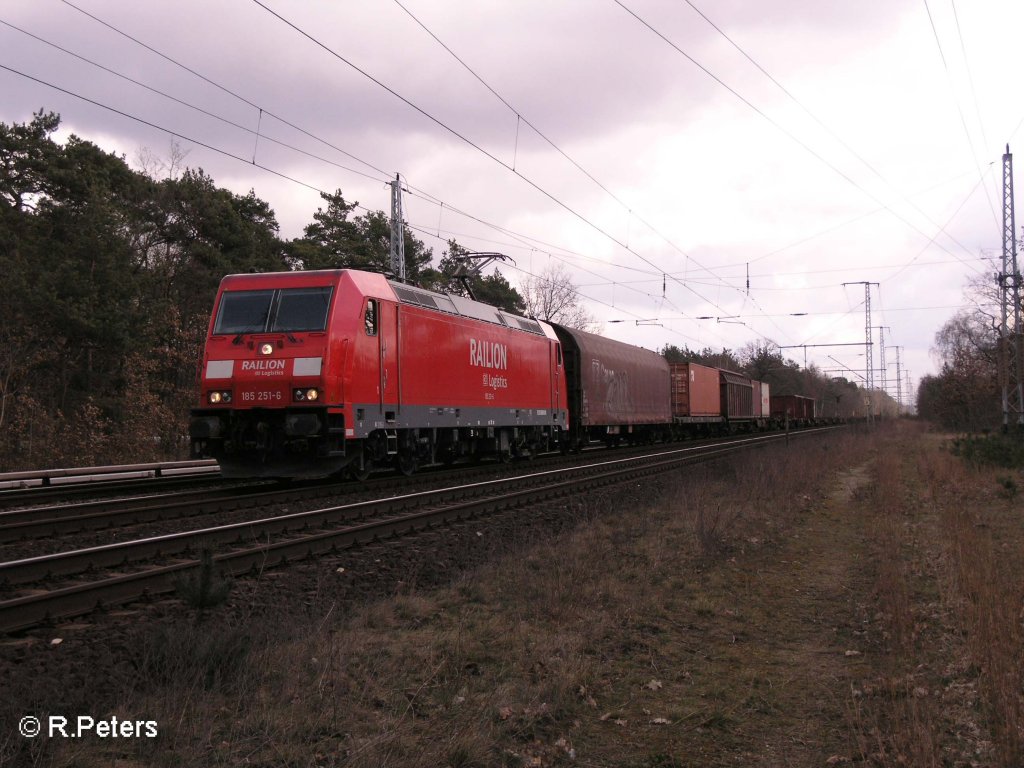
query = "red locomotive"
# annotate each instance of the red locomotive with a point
(306, 374)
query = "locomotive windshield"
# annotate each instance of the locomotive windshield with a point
(282, 310)
(302, 309)
(244, 312)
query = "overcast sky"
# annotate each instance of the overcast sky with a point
(864, 144)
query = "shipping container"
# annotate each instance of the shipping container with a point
(695, 392)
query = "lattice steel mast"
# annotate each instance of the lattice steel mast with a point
(397, 230)
(899, 384)
(1009, 295)
(881, 352)
(869, 367)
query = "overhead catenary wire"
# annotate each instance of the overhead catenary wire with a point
(830, 131)
(959, 109)
(687, 287)
(640, 268)
(490, 155)
(291, 147)
(233, 156)
(520, 118)
(385, 178)
(221, 87)
(776, 124)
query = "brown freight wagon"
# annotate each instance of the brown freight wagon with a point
(793, 407)
(737, 396)
(696, 397)
(614, 388)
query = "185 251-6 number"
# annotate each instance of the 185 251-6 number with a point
(262, 396)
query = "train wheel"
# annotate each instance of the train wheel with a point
(406, 463)
(360, 470)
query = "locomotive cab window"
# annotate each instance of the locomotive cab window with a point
(273, 311)
(243, 312)
(370, 318)
(302, 309)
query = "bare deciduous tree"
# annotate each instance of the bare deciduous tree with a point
(552, 296)
(158, 168)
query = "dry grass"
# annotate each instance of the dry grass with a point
(985, 556)
(748, 613)
(948, 542)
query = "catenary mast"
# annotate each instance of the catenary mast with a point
(1009, 293)
(397, 231)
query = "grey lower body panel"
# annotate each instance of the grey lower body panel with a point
(370, 418)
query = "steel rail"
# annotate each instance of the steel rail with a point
(39, 494)
(22, 612)
(71, 475)
(20, 524)
(36, 522)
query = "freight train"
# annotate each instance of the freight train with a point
(311, 374)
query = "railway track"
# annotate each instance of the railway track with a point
(71, 583)
(60, 520)
(57, 521)
(42, 486)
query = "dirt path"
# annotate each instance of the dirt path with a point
(758, 666)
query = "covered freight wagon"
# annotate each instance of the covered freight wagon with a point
(614, 389)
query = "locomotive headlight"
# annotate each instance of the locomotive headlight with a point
(312, 394)
(309, 395)
(219, 396)
(266, 349)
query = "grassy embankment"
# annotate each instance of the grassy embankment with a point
(849, 600)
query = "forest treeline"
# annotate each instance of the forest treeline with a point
(966, 394)
(108, 278)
